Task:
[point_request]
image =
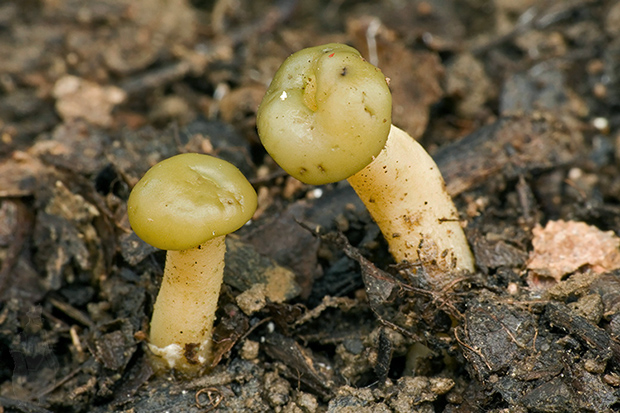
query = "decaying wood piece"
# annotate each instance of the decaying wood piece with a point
(593, 337)
(509, 147)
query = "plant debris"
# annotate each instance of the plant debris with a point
(516, 101)
(561, 248)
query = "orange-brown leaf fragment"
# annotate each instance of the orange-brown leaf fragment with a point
(562, 247)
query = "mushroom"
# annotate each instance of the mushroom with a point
(327, 116)
(186, 205)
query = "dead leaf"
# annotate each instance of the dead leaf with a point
(562, 247)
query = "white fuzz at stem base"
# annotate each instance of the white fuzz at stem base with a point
(405, 193)
(184, 311)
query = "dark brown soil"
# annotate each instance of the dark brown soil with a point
(517, 100)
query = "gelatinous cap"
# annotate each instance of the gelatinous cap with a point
(326, 114)
(188, 199)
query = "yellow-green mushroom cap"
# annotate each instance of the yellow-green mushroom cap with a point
(186, 200)
(326, 114)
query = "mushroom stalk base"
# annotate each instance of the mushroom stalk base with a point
(184, 311)
(405, 193)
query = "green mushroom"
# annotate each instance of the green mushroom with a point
(186, 205)
(326, 117)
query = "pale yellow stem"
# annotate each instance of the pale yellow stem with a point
(184, 311)
(405, 193)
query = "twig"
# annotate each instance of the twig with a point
(213, 403)
(473, 350)
(59, 382)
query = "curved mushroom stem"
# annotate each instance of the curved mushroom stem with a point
(184, 311)
(405, 193)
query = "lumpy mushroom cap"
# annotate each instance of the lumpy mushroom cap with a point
(326, 114)
(188, 199)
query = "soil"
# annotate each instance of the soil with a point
(516, 100)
